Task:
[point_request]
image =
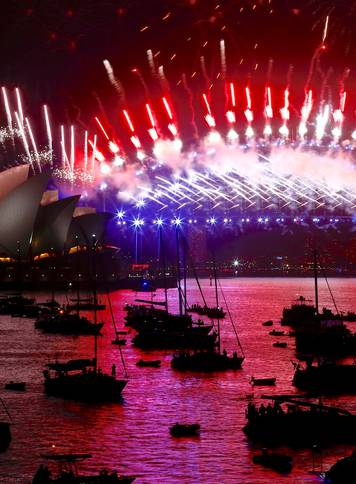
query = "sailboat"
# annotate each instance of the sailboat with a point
(323, 332)
(158, 328)
(117, 340)
(214, 359)
(333, 337)
(64, 321)
(83, 380)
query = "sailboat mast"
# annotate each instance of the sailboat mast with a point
(163, 258)
(185, 278)
(94, 296)
(77, 268)
(216, 297)
(178, 275)
(215, 280)
(316, 282)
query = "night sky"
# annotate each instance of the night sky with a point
(53, 49)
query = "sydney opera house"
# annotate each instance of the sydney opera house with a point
(45, 240)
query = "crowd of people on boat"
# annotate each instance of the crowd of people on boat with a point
(85, 372)
(276, 409)
(264, 410)
(207, 352)
(44, 476)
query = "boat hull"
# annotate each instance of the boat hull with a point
(5, 436)
(87, 388)
(206, 362)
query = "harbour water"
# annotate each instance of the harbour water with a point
(133, 435)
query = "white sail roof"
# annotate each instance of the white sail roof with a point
(12, 178)
(18, 210)
(52, 224)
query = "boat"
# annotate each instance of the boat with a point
(282, 463)
(68, 324)
(163, 339)
(343, 471)
(5, 430)
(118, 341)
(51, 303)
(83, 380)
(151, 363)
(349, 316)
(216, 312)
(303, 313)
(268, 323)
(5, 436)
(326, 376)
(206, 361)
(321, 333)
(298, 312)
(213, 359)
(263, 381)
(294, 420)
(184, 430)
(67, 471)
(86, 304)
(275, 332)
(280, 344)
(17, 386)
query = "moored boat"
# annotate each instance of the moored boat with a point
(326, 376)
(275, 332)
(206, 361)
(296, 421)
(216, 312)
(149, 363)
(184, 430)
(83, 380)
(268, 323)
(16, 386)
(263, 381)
(67, 323)
(282, 463)
(280, 344)
(67, 472)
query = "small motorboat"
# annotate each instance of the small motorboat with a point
(268, 323)
(68, 473)
(184, 430)
(274, 332)
(263, 381)
(280, 344)
(278, 462)
(17, 386)
(118, 341)
(152, 363)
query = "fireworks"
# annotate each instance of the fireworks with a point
(257, 157)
